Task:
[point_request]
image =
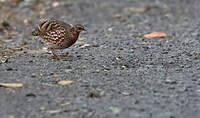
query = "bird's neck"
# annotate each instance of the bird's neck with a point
(75, 33)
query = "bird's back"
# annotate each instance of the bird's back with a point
(56, 33)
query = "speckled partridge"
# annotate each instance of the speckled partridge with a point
(57, 34)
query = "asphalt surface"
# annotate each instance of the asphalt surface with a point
(115, 71)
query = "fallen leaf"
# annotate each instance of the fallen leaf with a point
(66, 103)
(4, 59)
(155, 34)
(168, 81)
(55, 4)
(11, 85)
(85, 45)
(17, 49)
(117, 15)
(64, 82)
(136, 9)
(198, 90)
(115, 110)
(54, 111)
(42, 108)
(10, 116)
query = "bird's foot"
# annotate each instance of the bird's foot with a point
(56, 56)
(60, 56)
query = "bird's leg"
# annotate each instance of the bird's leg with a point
(53, 52)
(55, 55)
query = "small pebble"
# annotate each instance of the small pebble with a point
(85, 45)
(55, 4)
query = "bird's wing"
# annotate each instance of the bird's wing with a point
(61, 23)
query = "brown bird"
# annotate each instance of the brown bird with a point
(57, 34)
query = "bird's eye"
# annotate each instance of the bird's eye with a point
(81, 28)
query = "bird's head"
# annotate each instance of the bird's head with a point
(79, 28)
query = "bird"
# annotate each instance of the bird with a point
(58, 34)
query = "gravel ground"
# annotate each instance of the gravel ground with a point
(115, 71)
